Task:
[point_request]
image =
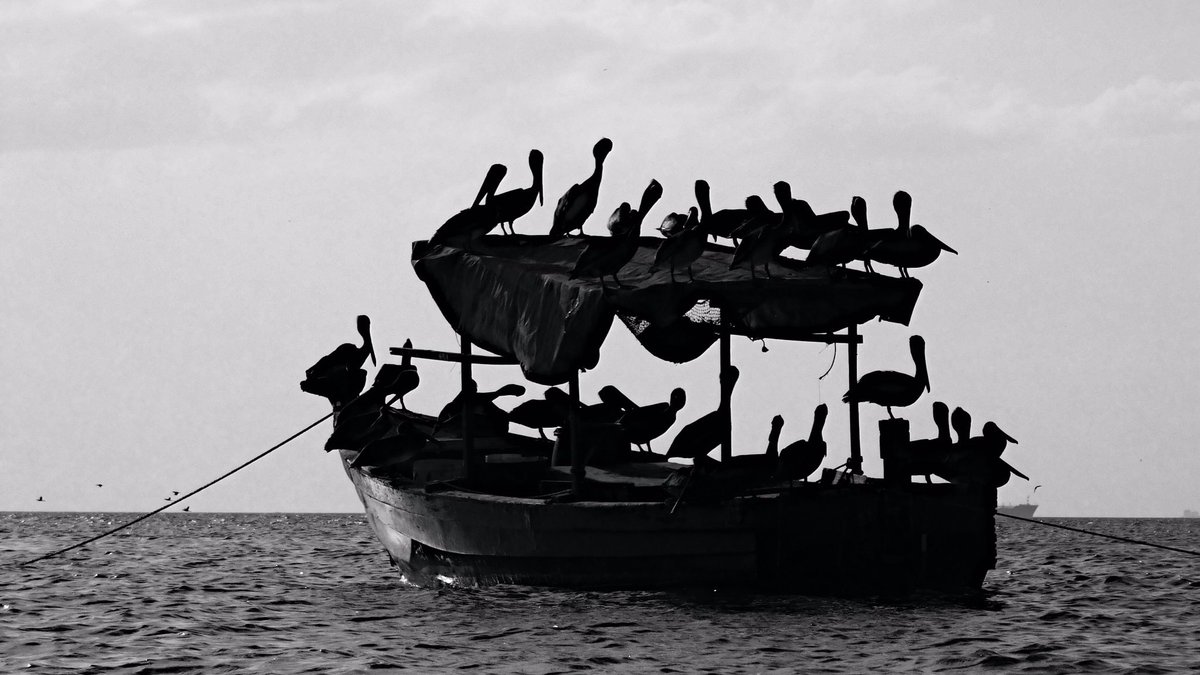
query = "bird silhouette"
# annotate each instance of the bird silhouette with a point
(477, 219)
(605, 256)
(907, 246)
(579, 201)
(508, 206)
(643, 424)
(187, 508)
(682, 248)
(927, 454)
(800, 458)
(850, 242)
(766, 241)
(705, 434)
(491, 182)
(338, 376)
(889, 388)
(485, 415)
(40, 499)
(548, 412)
(720, 223)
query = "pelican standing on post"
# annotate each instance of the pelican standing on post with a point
(580, 199)
(889, 388)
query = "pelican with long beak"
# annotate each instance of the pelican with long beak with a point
(346, 356)
(508, 206)
(579, 201)
(889, 388)
(906, 246)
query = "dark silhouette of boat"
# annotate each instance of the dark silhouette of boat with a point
(1024, 510)
(470, 501)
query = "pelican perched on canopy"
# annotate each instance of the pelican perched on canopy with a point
(605, 256)
(579, 201)
(889, 388)
(506, 207)
(907, 246)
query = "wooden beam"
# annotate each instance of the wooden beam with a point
(467, 402)
(854, 463)
(725, 404)
(578, 470)
(459, 357)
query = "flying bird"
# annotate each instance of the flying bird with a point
(889, 388)
(579, 201)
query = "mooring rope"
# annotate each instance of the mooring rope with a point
(207, 485)
(1100, 534)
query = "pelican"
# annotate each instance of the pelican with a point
(547, 412)
(580, 199)
(960, 421)
(705, 434)
(812, 225)
(682, 248)
(643, 424)
(477, 219)
(920, 249)
(356, 421)
(338, 376)
(926, 454)
(841, 245)
(607, 255)
(889, 388)
(800, 458)
(721, 223)
(991, 443)
(508, 206)
(346, 356)
(491, 182)
(673, 224)
(763, 244)
(482, 406)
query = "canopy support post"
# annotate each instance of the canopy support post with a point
(574, 420)
(854, 463)
(724, 406)
(467, 439)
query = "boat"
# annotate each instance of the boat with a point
(459, 497)
(1023, 510)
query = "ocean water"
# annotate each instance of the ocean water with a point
(313, 593)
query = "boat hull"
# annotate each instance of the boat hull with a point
(840, 540)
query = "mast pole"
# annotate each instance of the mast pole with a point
(725, 407)
(466, 408)
(574, 420)
(854, 463)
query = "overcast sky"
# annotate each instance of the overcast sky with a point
(197, 199)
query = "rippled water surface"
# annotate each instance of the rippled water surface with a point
(275, 593)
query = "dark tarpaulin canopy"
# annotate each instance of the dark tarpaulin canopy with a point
(513, 296)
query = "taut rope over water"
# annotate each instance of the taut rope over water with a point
(1100, 534)
(207, 485)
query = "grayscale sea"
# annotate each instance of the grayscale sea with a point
(313, 593)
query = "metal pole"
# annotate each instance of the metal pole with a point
(854, 464)
(467, 385)
(725, 407)
(574, 421)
